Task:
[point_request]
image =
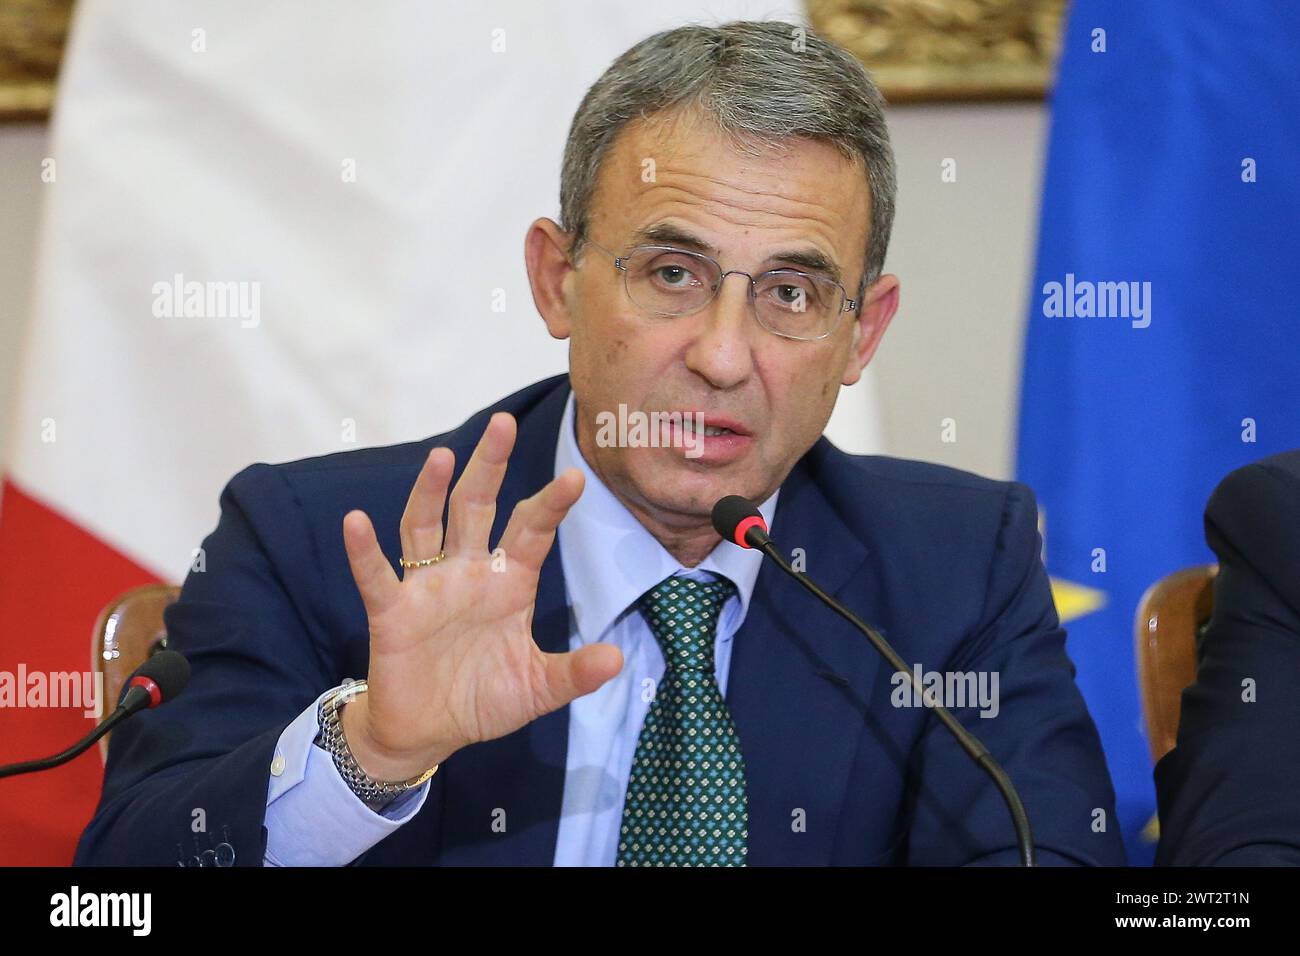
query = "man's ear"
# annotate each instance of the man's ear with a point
(869, 328)
(550, 274)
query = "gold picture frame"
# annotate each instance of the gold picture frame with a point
(929, 50)
(32, 35)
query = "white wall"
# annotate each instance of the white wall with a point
(965, 254)
(22, 147)
(963, 250)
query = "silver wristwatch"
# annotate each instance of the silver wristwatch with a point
(376, 794)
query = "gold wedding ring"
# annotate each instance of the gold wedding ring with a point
(424, 563)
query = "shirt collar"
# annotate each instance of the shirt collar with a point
(610, 559)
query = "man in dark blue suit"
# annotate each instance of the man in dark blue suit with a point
(641, 693)
(1227, 791)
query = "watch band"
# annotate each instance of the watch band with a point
(376, 794)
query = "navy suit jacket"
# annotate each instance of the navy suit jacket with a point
(945, 563)
(1227, 792)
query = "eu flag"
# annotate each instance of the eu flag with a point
(1161, 346)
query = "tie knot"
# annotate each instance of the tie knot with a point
(683, 616)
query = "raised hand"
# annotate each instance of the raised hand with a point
(452, 656)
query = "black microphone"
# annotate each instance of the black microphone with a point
(156, 681)
(739, 521)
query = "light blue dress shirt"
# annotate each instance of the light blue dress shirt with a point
(609, 560)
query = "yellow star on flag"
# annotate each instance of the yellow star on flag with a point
(1075, 600)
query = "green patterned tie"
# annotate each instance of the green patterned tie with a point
(685, 801)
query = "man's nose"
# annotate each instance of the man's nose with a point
(722, 352)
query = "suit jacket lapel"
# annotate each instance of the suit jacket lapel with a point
(800, 681)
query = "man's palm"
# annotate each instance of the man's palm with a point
(452, 656)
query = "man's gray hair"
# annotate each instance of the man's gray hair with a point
(761, 82)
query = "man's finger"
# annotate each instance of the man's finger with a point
(474, 499)
(575, 673)
(421, 527)
(370, 569)
(531, 531)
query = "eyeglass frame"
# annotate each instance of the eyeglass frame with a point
(620, 263)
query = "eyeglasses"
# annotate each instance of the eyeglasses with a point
(669, 281)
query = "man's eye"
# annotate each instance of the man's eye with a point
(795, 297)
(673, 275)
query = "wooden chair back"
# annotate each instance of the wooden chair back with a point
(128, 630)
(1169, 616)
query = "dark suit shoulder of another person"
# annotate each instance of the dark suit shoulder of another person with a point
(1228, 791)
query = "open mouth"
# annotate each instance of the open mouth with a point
(693, 431)
(699, 424)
